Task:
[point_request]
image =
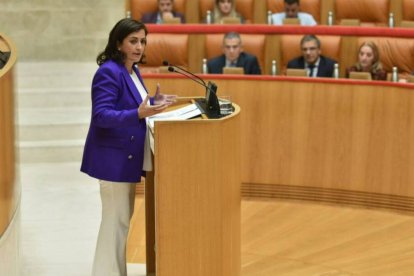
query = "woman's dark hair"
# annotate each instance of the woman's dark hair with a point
(119, 32)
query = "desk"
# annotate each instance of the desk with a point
(338, 141)
(192, 198)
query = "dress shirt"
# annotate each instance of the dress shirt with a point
(305, 19)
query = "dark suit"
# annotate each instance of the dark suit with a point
(325, 68)
(247, 61)
(114, 148)
(151, 17)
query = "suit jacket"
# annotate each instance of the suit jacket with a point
(325, 68)
(247, 61)
(151, 17)
(114, 147)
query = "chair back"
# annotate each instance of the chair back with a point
(369, 12)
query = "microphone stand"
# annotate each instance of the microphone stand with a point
(210, 105)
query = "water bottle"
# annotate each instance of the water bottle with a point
(274, 68)
(330, 18)
(336, 71)
(391, 20)
(269, 17)
(394, 74)
(128, 14)
(208, 17)
(204, 68)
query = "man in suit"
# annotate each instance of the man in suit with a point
(312, 60)
(233, 56)
(165, 11)
(292, 10)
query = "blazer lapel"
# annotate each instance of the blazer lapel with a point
(241, 60)
(321, 67)
(131, 85)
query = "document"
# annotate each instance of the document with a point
(183, 113)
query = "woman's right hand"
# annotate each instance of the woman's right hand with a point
(145, 110)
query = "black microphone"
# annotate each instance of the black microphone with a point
(171, 68)
(210, 105)
(211, 87)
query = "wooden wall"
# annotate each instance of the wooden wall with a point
(339, 141)
(9, 188)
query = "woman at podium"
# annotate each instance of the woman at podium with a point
(117, 151)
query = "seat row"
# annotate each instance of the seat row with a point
(368, 12)
(187, 47)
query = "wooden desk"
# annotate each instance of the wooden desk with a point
(338, 141)
(192, 198)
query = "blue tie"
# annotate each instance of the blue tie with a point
(311, 67)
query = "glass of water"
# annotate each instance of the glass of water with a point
(226, 106)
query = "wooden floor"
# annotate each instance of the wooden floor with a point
(301, 238)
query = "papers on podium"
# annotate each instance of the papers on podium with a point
(183, 113)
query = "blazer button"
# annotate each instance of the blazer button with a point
(130, 157)
(132, 138)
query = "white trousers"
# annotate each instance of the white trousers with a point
(117, 208)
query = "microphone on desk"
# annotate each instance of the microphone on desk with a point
(182, 71)
(211, 105)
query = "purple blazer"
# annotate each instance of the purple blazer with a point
(114, 147)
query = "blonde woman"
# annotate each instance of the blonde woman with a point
(223, 9)
(368, 61)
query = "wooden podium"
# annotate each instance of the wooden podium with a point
(193, 198)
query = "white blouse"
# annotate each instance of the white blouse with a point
(147, 165)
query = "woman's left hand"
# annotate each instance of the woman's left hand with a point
(160, 98)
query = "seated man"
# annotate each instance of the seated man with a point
(165, 11)
(312, 60)
(233, 56)
(292, 10)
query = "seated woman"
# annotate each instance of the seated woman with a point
(224, 9)
(368, 61)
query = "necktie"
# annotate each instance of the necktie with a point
(311, 67)
(233, 64)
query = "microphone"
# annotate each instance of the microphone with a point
(184, 72)
(210, 105)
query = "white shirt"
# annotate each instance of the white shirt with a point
(305, 19)
(147, 165)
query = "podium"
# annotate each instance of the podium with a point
(192, 198)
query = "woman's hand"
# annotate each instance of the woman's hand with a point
(160, 98)
(145, 110)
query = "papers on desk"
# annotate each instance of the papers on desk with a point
(183, 113)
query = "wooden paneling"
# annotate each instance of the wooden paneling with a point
(195, 188)
(343, 135)
(9, 189)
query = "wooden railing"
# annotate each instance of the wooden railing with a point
(340, 141)
(9, 187)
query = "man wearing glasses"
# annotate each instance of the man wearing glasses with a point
(233, 56)
(312, 60)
